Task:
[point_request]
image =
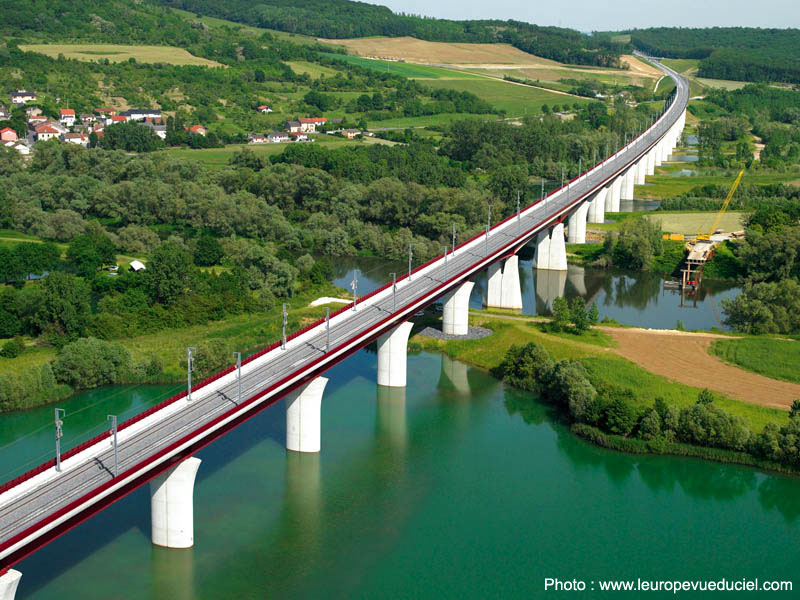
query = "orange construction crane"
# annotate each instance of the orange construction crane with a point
(707, 236)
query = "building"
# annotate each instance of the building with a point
(33, 111)
(309, 125)
(19, 147)
(139, 114)
(36, 120)
(20, 97)
(137, 265)
(294, 127)
(66, 116)
(8, 135)
(114, 119)
(4, 114)
(105, 112)
(88, 118)
(264, 109)
(197, 130)
(46, 132)
(257, 138)
(351, 133)
(279, 137)
(159, 129)
(300, 137)
(76, 138)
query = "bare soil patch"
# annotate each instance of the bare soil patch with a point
(641, 68)
(684, 357)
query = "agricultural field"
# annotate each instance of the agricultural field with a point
(120, 53)
(515, 99)
(691, 223)
(402, 69)
(423, 52)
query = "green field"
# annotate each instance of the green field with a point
(691, 223)
(516, 100)
(219, 157)
(666, 183)
(720, 83)
(778, 359)
(312, 69)
(400, 68)
(682, 65)
(120, 53)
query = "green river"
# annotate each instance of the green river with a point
(456, 487)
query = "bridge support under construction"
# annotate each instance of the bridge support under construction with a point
(172, 505)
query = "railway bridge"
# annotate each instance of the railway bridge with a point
(157, 446)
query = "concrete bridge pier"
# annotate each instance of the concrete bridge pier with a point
(628, 180)
(502, 285)
(558, 251)
(614, 195)
(455, 312)
(597, 207)
(551, 254)
(392, 356)
(172, 505)
(8, 584)
(658, 153)
(651, 163)
(303, 418)
(641, 170)
(577, 224)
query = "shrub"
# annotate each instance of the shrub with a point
(12, 349)
(89, 362)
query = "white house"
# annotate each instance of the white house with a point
(4, 114)
(46, 132)
(257, 138)
(20, 97)
(264, 109)
(278, 137)
(137, 265)
(76, 138)
(139, 114)
(66, 116)
(19, 147)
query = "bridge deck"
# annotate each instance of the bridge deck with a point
(51, 500)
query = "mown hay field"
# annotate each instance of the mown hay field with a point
(119, 53)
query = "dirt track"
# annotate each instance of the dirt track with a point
(684, 357)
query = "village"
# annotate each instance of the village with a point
(86, 129)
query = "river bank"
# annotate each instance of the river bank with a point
(606, 366)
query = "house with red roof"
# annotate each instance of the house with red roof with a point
(197, 130)
(114, 119)
(309, 125)
(46, 132)
(66, 116)
(264, 109)
(8, 135)
(76, 138)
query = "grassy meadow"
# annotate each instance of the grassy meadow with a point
(770, 357)
(120, 53)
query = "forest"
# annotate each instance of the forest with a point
(738, 53)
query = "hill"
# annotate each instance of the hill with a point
(738, 53)
(341, 19)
